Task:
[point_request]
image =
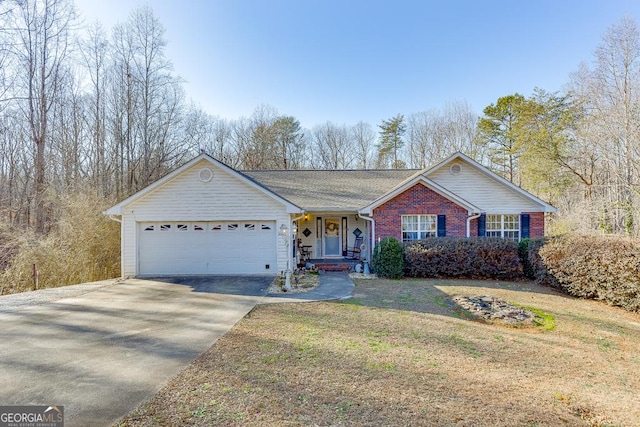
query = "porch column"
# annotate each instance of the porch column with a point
(372, 243)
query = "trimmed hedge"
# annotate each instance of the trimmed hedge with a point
(388, 259)
(597, 267)
(532, 266)
(477, 258)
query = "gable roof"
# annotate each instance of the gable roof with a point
(340, 190)
(419, 178)
(117, 209)
(331, 190)
(546, 207)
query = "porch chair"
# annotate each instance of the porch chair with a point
(354, 252)
(305, 253)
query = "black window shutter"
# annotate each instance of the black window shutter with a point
(482, 225)
(442, 225)
(345, 236)
(524, 226)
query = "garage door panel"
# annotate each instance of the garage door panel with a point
(223, 247)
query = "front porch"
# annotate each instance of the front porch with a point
(332, 241)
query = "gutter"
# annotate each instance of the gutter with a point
(373, 234)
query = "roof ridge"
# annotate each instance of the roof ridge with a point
(329, 170)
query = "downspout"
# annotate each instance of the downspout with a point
(113, 218)
(469, 219)
(373, 234)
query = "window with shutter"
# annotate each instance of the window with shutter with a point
(418, 227)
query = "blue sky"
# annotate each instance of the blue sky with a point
(346, 61)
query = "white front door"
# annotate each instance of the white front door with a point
(332, 237)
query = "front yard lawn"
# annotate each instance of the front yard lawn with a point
(401, 353)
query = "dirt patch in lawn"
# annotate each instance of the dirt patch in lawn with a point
(402, 353)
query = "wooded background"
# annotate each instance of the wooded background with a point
(100, 112)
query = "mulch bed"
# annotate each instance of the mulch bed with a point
(304, 281)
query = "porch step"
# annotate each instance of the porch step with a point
(343, 266)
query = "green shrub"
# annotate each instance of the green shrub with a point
(477, 258)
(388, 260)
(529, 257)
(523, 253)
(597, 267)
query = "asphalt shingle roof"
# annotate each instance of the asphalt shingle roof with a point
(329, 189)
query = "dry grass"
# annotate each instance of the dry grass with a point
(84, 246)
(400, 354)
(302, 282)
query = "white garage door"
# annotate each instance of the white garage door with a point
(231, 247)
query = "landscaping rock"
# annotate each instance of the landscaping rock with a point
(493, 309)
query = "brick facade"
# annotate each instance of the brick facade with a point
(418, 200)
(536, 224)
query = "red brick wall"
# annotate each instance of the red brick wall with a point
(419, 200)
(536, 224)
(473, 228)
(414, 201)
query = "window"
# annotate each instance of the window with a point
(418, 227)
(149, 228)
(504, 226)
(249, 227)
(183, 227)
(165, 227)
(232, 227)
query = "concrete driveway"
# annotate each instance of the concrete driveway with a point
(100, 351)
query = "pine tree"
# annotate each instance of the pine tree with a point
(391, 132)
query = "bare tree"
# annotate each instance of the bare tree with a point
(332, 147)
(16, 167)
(161, 97)
(67, 148)
(146, 103)
(459, 126)
(424, 142)
(609, 95)
(222, 147)
(255, 138)
(94, 52)
(207, 133)
(432, 135)
(42, 46)
(363, 137)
